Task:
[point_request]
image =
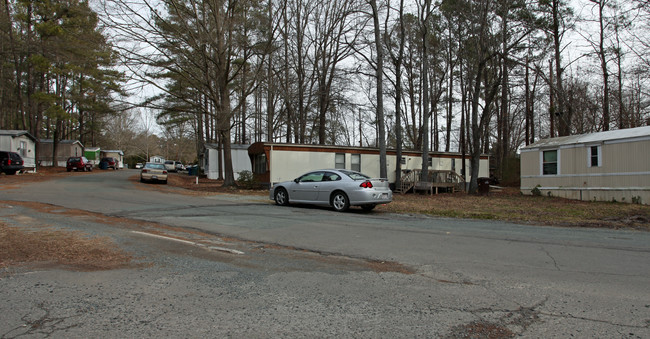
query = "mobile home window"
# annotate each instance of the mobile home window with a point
(594, 156)
(23, 149)
(260, 164)
(430, 162)
(403, 161)
(339, 160)
(355, 162)
(549, 164)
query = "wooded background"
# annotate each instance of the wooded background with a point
(486, 76)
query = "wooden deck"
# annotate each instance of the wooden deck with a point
(438, 181)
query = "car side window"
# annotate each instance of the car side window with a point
(329, 176)
(312, 177)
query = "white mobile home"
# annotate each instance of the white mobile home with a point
(157, 159)
(22, 143)
(240, 160)
(604, 166)
(277, 162)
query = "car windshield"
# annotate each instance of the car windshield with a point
(355, 175)
(154, 166)
(74, 159)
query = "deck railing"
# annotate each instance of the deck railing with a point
(436, 180)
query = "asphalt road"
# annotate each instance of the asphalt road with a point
(247, 268)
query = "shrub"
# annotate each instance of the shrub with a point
(536, 192)
(247, 180)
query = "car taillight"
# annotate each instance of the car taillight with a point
(145, 171)
(164, 172)
(366, 184)
(8, 161)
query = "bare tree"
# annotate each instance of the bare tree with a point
(379, 74)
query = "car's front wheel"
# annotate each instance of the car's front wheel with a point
(340, 202)
(281, 197)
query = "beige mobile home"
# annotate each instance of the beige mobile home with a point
(277, 162)
(117, 154)
(65, 149)
(604, 166)
(21, 142)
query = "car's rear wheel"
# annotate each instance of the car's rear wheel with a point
(368, 208)
(340, 201)
(281, 197)
(141, 179)
(165, 182)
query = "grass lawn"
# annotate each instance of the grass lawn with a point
(510, 205)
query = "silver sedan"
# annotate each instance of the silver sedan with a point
(333, 187)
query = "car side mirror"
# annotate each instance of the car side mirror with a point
(296, 180)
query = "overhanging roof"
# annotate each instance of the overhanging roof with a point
(16, 133)
(590, 138)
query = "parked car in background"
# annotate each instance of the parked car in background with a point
(153, 172)
(169, 165)
(11, 162)
(109, 162)
(333, 187)
(138, 165)
(78, 163)
(178, 166)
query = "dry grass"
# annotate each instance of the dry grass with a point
(509, 205)
(72, 250)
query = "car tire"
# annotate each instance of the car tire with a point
(340, 201)
(165, 182)
(281, 197)
(68, 169)
(368, 208)
(141, 179)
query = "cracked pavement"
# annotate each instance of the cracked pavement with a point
(229, 267)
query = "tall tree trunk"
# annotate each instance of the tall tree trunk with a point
(603, 64)
(529, 119)
(379, 75)
(425, 91)
(563, 111)
(397, 61)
